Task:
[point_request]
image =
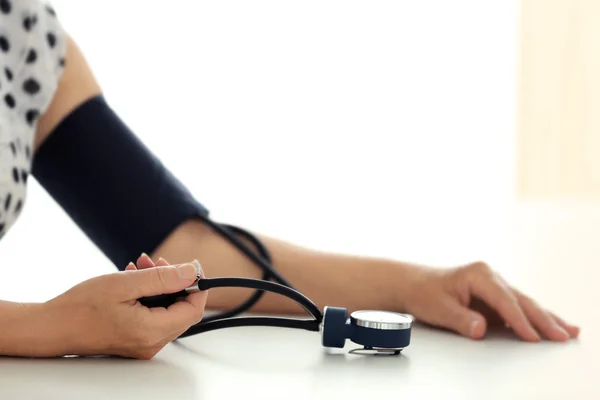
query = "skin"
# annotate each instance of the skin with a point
(467, 299)
(102, 316)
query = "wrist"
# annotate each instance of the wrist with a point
(406, 279)
(379, 284)
(29, 330)
(63, 326)
(387, 284)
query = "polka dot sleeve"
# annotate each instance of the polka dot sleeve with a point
(32, 56)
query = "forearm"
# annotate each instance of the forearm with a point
(29, 330)
(328, 279)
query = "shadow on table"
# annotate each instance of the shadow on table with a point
(94, 378)
(496, 334)
(259, 357)
(343, 358)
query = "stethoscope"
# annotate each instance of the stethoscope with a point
(378, 332)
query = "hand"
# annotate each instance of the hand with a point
(471, 298)
(103, 317)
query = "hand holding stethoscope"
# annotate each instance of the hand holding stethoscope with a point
(102, 315)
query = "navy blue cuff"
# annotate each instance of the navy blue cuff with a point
(110, 184)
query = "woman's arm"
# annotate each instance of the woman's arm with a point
(467, 299)
(77, 84)
(27, 330)
(442, 297)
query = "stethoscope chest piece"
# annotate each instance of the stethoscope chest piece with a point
(379, 332)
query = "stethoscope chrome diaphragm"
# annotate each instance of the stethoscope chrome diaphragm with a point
(379, 332)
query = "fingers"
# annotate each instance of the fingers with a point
(572, 330)
(180, 316)
(452, 315)
(144, 262)
(542, 320)
(162, 262)
(503, 300)
(158, 280)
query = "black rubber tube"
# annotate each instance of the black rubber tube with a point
(310, 325)
(282, 287)
(211, 283)
(265, 266)
(262, 252)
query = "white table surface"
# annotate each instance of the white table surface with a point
(555, 257)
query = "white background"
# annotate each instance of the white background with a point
(383, 128)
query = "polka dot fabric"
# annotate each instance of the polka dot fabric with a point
(32, 52)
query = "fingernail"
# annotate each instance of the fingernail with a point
(145, 255)
(473, 328)
(131, 264)
(198, 268)
(187, 272)
(563, 332)
(162, 259)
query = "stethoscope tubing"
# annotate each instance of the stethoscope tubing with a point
(230, 318)
(339, 326)
(305, 302)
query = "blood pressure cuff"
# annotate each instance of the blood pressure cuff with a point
(110, 184)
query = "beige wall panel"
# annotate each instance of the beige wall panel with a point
(558, 142)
